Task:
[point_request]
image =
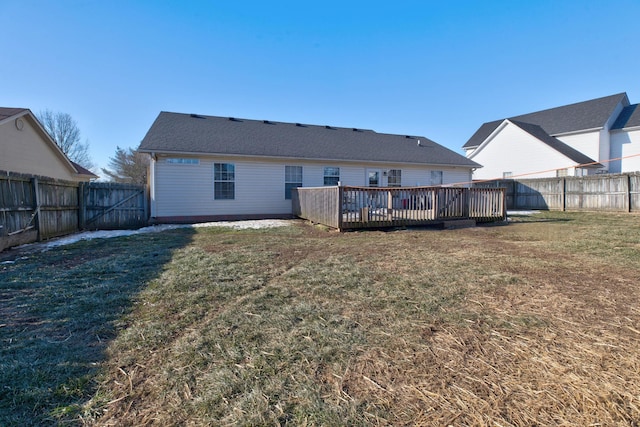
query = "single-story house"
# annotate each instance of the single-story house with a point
(207, 167)
(26, 147)
(597, 136)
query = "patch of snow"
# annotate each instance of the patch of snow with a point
(108, 234)
(522, 212)
(243, 225)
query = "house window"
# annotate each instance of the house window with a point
(182, 161)
(507, 175)
(224, 177)
(373, 178)
(394, 178)
(436, 177)
(562, 172)
(331, 176)
(292, 179)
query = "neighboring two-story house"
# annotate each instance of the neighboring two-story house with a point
(597, 136)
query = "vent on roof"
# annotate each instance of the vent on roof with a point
(196, 116)
(299, 124)
(233, 119)
(419, 144)
(267, 122)
(408, 136)
(328, 127)
(356, 130)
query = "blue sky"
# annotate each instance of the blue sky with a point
(430, 68)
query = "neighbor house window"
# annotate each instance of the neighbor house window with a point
(394, 178)
(183, 161)
(562, 172)
(331, 176)
(292, 179)
(224, 177)
(507, 175)
(436, 177)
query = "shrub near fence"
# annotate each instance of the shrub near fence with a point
(38, 208)
(612, 193)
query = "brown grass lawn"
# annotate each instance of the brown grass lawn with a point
(534, 323)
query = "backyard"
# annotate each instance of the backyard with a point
(533, 323)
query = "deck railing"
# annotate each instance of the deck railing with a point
(348, 207)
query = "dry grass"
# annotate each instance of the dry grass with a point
(535, 323)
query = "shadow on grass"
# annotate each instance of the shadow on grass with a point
(58, 312)
(543, 216)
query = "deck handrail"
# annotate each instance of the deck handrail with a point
(352, 207)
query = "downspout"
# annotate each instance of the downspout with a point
(152, 185)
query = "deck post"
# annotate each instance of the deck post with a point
(364, 214)
(466, 200)
(340, 206)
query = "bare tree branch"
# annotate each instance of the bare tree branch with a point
(64, 131)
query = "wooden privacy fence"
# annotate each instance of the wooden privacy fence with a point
(107, 205)
(347, 207)
(38, 208)
(612, 193)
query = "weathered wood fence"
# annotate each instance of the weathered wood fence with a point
(348, 207)
(612, 193)
(38, 208)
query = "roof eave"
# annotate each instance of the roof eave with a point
(626, 129)
(311, 159)
(488, 139)
(577, 132)
(15, 116)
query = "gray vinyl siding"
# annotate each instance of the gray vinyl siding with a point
(188, 190)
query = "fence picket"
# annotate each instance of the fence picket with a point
(609, 193)
(38, 208)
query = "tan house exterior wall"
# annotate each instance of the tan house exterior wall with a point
(24, 149)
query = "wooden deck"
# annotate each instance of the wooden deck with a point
(348, 208)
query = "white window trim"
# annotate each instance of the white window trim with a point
(215, 181)
(292, 182)
(325, 176)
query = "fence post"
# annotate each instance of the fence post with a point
(504, 204)
(36, 208)
(81, 206)
(146, 197)
(627, 199)
(563, 194)
(340, 206)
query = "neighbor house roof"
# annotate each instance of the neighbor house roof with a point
(7, 113)
(571, 153)
(592, 114)
(196, 134)
(629, 117)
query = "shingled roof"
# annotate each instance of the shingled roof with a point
(5, 112)
(196, 134)
(629, 117)
(592, 114)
